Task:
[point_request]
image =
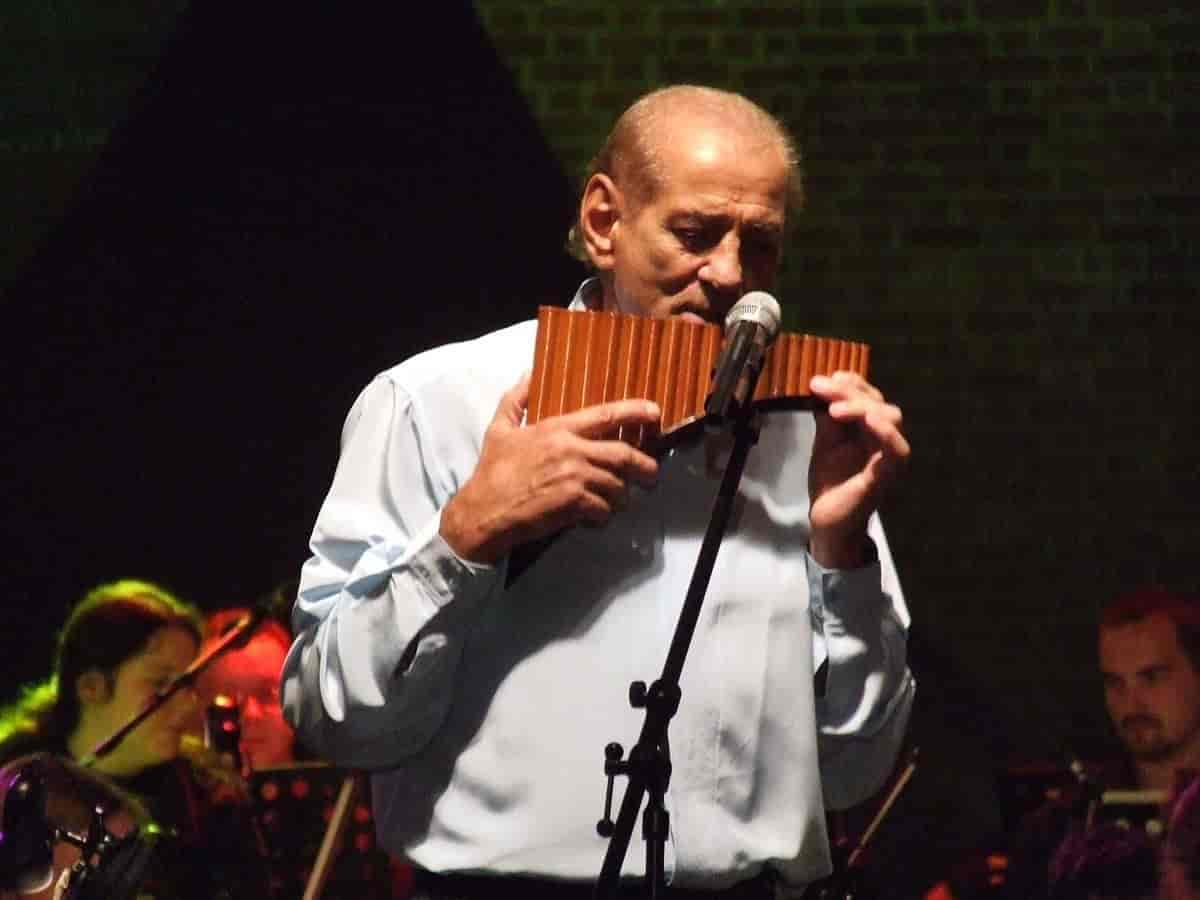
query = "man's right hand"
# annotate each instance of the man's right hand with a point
(533, 481)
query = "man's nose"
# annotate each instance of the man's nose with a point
(1130, 701)
(723, 270)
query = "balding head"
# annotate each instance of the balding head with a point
(632, 153)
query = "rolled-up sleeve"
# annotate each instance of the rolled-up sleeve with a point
(860, 627)
(383, 602)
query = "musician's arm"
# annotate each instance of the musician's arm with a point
(383, 601)
(860, 627)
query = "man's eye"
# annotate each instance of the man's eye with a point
(692, 238)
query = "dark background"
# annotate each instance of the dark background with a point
(287, 202)
(221, 220)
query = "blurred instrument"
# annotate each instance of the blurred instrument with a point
(26, 857)
(58, 816)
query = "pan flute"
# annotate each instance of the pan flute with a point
(582, 358)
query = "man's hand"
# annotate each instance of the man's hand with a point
(533, 481)
(858, 451)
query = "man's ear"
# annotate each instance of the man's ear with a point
(600, 219)
(92, 687)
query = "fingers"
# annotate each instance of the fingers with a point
(580, 455)
(853, 400)
(605, 482)
(586, 485)
(624, 460)
(600, 494)
(531, 481)
(884, 422)
(604, 419)
(841, 384)
(592, 433)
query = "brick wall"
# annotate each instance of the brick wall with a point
(70, 72)
(1003, 202)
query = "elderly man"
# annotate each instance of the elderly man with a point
(484, 703)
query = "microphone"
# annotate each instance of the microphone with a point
(223, 730)
(750, 328)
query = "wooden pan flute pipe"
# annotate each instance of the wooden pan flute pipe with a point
(582, 358)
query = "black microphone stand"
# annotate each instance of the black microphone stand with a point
(648, 767)
(238, 634)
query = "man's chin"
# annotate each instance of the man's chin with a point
(1150, 751)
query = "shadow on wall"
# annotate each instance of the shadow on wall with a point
(299, 197)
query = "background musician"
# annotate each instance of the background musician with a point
(1148, 660)
(291, 794)
(1149, 650)
(122, 643)
(485, 705)
(248, 675)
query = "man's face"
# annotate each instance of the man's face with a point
(250, 677)
(1151, 688)
(709, 232)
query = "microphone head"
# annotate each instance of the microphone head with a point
(758, 307)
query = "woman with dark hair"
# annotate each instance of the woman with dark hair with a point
(121, 644)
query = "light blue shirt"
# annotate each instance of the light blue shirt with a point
(484, 710)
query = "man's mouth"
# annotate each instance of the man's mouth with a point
(1141, 723)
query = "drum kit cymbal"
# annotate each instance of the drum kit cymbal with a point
(49, 805)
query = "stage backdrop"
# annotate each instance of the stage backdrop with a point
(222, 220)
(287, 200)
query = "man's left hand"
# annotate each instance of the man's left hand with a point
(858, 452)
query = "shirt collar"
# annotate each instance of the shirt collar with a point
(589, 296)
